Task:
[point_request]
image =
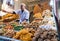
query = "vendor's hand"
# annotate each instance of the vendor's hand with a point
(6, 11)
(24, 21)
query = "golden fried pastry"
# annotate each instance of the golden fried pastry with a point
(37, 9)
(10, 17)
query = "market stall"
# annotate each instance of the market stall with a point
(42, 28)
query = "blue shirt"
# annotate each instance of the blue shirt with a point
(23, 15)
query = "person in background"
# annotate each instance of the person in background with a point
(24, 13)
(7, 7)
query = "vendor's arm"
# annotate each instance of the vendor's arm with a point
(5, 11)
(17, 11)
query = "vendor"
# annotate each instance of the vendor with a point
(24, 13)
(7, 7)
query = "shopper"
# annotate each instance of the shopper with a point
(24, 13)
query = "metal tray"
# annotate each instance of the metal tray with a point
(2, 38)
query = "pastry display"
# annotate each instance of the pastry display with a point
(48, 17)
(8, 27)
(45, 6)
(45, 35)
(23, 35)
(37, 8)
(38, 15)
(17, 25)
(10, 17)
(9, 33)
